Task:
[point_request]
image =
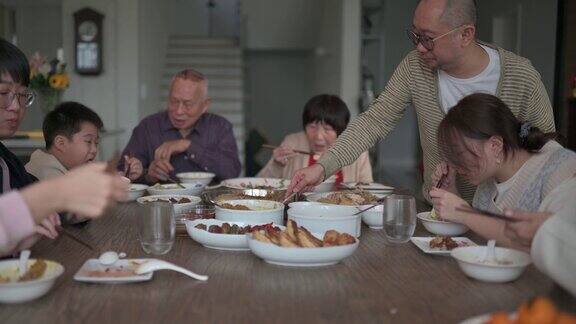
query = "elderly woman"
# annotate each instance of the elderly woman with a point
(514, 165)
(324, 118)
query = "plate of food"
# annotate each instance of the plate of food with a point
(297, 247)
(441, 245)
(182, 203)
(35, 282)
(122, 271)
(220, 235)
(257, 183)
(371, 186)
(252, 211)
(192, 189)
(346, 198)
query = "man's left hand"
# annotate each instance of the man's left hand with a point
(167, 149)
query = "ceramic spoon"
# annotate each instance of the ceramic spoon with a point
(154, 264)
(110, 257)
(23, 262)
(490, 252)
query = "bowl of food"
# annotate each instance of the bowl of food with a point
(182, 203)
(435, 225)
(136, 190)
(219, 195)
(191, 189)
(251, 211)
(297, 247)
(507, 265)
(346, 198)
(203, 178)
(320, 218)
(327, 185)
(220, 235)
(257, 183)
(35, 283)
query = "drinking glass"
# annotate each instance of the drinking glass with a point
(157, 226)
(399, 218)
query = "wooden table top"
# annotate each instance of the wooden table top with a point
(379, 283)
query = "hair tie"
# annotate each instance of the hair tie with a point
(524, 130)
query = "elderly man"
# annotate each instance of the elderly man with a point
(182, 138)
(447, 64)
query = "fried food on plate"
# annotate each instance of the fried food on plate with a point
(294, 236)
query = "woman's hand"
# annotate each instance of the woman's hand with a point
(47, 226)
(306, 179)
(449, 180)
(282, 154)
(445, 204)
(523, 226)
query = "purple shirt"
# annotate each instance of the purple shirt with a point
(213, 147)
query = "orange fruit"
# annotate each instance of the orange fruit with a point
(538, 311)
(564, 318)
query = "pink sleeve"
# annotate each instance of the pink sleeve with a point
(16, 222)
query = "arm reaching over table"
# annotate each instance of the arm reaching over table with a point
(86, 191)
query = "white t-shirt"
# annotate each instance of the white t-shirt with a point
(452, 89)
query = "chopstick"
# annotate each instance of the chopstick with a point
(441, 180)
(471, 210)
(381, 200)
(271, 147)
(177, 182)
(74, 237)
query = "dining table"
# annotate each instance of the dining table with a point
(380, 283)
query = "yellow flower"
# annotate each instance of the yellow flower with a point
(59, 81)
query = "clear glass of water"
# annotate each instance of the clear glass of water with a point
(157, 227)
(399, 218)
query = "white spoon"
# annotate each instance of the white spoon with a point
(154, 264)
(110, 257)
(490, 252)
(23, 262)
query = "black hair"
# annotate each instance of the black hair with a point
(66, 120)
(480, 116)
(14, 63)
(329, 109)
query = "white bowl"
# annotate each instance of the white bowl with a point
(191, 189)
(136, 191)
(326, 186)
(273, 212)
(374, 217)
(179, 209)
(439, 227)
(470, 261)
(203, 178)
(256, 183)
(319, 218)
(18, 292)
(231, 242)
(300, 257)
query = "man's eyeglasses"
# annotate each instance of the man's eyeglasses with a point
(25, 98)
(187, 104)
(428, 42)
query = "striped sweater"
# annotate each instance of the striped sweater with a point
(413, 82)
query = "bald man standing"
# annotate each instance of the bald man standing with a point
(447, 64)
(183, 138)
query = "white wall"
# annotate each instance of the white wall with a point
(536, 30)
(153, 37)
(114, 93)
(192, 17)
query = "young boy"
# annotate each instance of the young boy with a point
(71, 135)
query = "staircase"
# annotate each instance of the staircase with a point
(220, 60)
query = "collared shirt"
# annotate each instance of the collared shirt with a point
(212, 149)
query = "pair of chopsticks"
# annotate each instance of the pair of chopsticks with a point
(271, 147)
(75, 238)
(471, 210)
